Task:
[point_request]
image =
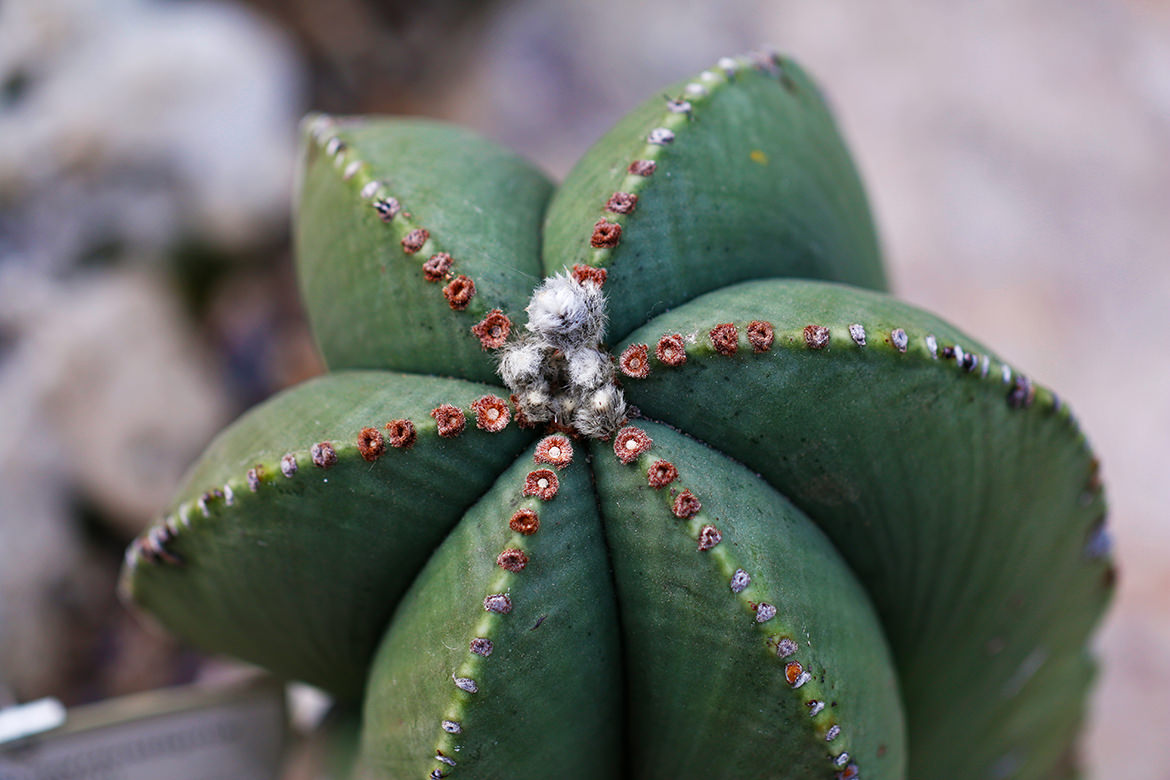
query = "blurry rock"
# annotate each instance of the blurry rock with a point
(115, 398)
(106, 400)
(134, 123)
(384, 56)
(40, 554)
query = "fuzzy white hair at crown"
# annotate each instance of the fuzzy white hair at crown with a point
(566, 313)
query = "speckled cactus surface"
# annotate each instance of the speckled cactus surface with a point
(644, 475)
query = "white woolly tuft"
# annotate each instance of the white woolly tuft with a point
(566, 313)
(589, 368)
(603, 413)
(557, 370)
(537, 403)
(564, 407)
(521, 362)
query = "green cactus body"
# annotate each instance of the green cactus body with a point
(783, 527)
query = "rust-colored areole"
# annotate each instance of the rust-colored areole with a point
(449, 419)
(401, 433)
(371, 445)
(525, 522)
(725, 338)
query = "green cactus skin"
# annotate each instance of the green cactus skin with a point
(836, 538)
(770, 190)
(416, 171)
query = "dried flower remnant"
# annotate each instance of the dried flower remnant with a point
(459, 292)
(661, 473)
(671, 350)
(686, 504)
(555, 451)
(635, 361)
(629, 443)
(371, 445)
(760, 335)
(323, 455)
(606, 235)
(524, 521)
(542, 483)
(437, 267)
(414, 240)
(450, 420)
(512, 560)
(492, 331)
(491, 413)
(401, 433)
(725, 338)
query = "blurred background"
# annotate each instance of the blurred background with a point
(1017, 154)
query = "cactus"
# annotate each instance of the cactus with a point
(732, 511)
